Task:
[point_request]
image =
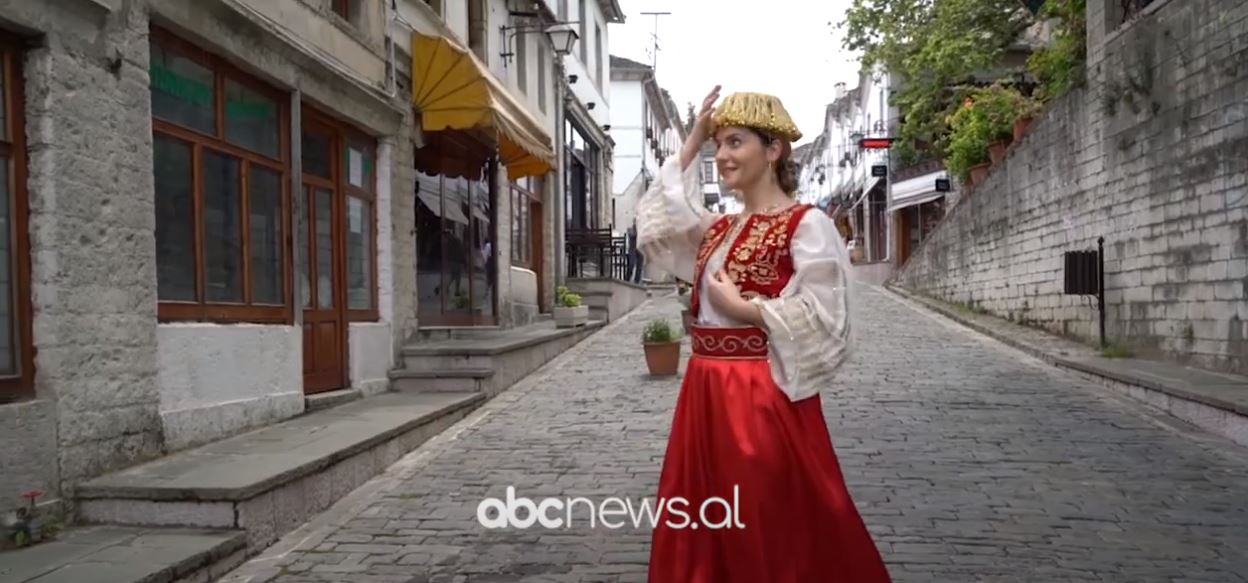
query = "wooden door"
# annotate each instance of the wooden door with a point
(324, 309)
(537, 252)
(905, 243)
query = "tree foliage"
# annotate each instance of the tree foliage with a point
(938, 48)
(1060, 66)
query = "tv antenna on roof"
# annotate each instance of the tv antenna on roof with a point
(654, 55)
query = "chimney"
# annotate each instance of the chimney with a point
(840, 90)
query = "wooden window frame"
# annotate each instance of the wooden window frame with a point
(524, 195)
(21, 385)
(542, 53)
(202, 310)
(708, 168)
(353, 137)
(344, 135)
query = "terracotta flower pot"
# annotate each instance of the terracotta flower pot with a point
(662, 358)
(978, 173)
(996, 151)
(1020, 127)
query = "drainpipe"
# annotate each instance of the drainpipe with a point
(298, 201)
(557, 225)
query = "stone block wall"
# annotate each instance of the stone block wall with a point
(99, 393)
(403, 231)
(92, 234)
(1152, 155)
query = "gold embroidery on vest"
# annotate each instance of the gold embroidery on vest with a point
(757, 258)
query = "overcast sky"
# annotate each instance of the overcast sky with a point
(782, 47)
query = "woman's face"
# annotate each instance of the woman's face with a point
(742, 157)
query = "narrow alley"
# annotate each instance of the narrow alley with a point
(969, 461)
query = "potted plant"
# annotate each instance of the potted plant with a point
(569, 313)
(996, 151)
(25, 526)
(983, 121)
(979, 173)
(1020, 127)
(662, 347)
(1025, 112)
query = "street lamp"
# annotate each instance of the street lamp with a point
(562, 37)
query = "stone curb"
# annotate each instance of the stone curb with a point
(1224, 419)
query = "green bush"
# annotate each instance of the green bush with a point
(659, 330)
(1061, 65)
(985, 117)
(564, 297)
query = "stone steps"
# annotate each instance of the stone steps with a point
(489, 359)
(442, 380)
(119, 554)
(608, 299)
(599, 303)
(330, 399)
(269, 481)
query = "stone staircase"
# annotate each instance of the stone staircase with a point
(269, 481)
(484, 360)
(195, 515)
(608, 299)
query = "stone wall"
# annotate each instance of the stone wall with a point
(92, 233)
(100, 389)
(403, 226)
(1152, 155)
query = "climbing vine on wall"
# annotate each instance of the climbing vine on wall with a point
(1061, 65)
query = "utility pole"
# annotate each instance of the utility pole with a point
(654, 55)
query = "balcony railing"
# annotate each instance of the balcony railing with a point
(918, 169)
(595, 253)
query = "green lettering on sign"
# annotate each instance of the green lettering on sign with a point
(186, 89)
(244, 108)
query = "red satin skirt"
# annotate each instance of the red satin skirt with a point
(758, 475)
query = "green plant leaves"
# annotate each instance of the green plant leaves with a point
(659, 330)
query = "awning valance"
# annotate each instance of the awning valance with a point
(917, 190)
(454, 91)
(916, 200)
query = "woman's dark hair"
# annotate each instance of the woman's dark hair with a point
(786, 168)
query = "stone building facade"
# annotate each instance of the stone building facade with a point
(647, 129)
(213, 206)
(1152, 155)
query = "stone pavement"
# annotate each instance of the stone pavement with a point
(970, 461)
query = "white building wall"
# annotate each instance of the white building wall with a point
(217, 380)
(587, 88)
(627, 116)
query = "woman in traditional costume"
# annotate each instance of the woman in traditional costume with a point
(770, 301)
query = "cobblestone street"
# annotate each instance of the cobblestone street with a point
(969, 461)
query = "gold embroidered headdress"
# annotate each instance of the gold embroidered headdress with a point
(756, 110)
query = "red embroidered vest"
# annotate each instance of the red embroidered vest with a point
(758, 261)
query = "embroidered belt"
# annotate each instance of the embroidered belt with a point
(736, 342)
